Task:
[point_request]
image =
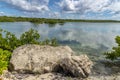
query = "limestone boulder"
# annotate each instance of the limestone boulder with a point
(37, 59)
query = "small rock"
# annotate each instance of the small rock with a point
(47, 76)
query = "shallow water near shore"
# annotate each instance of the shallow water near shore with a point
(83, 37)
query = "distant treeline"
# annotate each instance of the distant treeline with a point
(45, 20)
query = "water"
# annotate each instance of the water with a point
(83, 37)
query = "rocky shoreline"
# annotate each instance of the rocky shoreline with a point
(34, 62)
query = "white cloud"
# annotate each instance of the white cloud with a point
(115, 7)
(98, 9)
(84, 6)
(29, 5)
(2, 13)
(54, 15)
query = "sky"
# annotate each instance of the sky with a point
(64, 9)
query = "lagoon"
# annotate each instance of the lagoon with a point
(83, 37)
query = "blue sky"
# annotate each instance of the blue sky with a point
(68, 9)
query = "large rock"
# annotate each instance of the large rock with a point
(37, 59)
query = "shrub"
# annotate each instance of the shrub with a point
(8, 42)
(30, 37)
(115, 53)
(4, 59)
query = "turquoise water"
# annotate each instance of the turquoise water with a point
(82, 37)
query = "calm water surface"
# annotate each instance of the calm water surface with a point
(89, 38)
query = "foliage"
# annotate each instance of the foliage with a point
(4, 59)
(8, 42)
(115, 54)
(30, 37)
(52, 42)
(33, 20)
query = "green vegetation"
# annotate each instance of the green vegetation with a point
(33, 20)
(115, 54)
(48, 21)
(4, 59)
(9, 42)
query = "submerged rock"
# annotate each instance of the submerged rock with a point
(36, 61)
(105, 70)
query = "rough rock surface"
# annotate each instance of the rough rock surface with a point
(35, 62)
(37, 59)
(53, 76)
(76, 66)
(48, 76)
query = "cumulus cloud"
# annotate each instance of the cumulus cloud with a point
(84, 6)
(54, 15)
(75, 8)
(29, 5)
(2, 13)
(115, 7)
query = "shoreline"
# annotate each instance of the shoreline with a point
(50, 20)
